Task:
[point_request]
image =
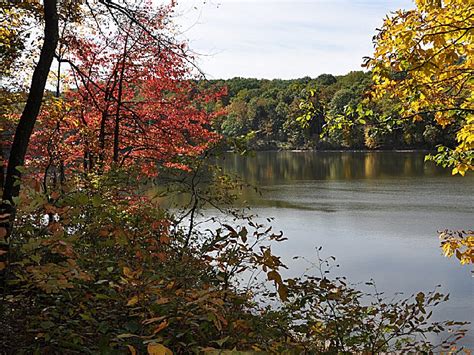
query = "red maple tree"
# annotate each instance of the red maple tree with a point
(131, 100)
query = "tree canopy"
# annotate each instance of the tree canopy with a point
(424, 59)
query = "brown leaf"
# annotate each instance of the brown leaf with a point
(163, 300)
(283, 292)
(153, 320)
(275, 276)
(3, 233)
(165, 239)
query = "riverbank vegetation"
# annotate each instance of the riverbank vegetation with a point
(91, 260)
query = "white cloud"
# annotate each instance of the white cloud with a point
(282, 38)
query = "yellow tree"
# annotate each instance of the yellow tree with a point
(424, 59)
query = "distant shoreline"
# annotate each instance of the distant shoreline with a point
(341, 151)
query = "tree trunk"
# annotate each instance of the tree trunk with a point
(119, 103)
(25, 127)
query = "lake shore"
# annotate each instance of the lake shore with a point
(340, 150)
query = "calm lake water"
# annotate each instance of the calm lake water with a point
(378, 213)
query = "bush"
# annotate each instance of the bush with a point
(100, 268)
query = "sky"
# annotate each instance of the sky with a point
(283, 39)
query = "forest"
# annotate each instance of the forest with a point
(109, 141)
(266, 112)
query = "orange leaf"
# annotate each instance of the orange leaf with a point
(158, 349)
(160, 327)
(163, 300)
(165, 239)
(132, 350)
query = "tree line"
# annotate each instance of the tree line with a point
(275, 115)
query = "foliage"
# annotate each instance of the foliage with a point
(335, 317)
(10, 38)
(424, 58)
(100, 261)
(328, 112)
(459, 243)
(128, 101)
(99, 268)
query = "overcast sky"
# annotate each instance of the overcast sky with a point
(282, 38)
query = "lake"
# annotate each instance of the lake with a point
(378, 213)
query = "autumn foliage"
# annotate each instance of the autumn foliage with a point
(128, 102)
(424, 58)
(97, 263)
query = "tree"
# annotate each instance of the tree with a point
(105, 92)
(26, 124)
(326, 79)
(133, 102)
(424, 58)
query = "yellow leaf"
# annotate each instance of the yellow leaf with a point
(2, 266)
(448, 252)
(127, 272)
(158, 349)
(132, 301)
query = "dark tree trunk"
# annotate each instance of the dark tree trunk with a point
(119, 103)
(102, 134)
(25, 127)
(2, 167)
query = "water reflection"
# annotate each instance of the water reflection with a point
(378, 213)
(334, 181)
(265, 167)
